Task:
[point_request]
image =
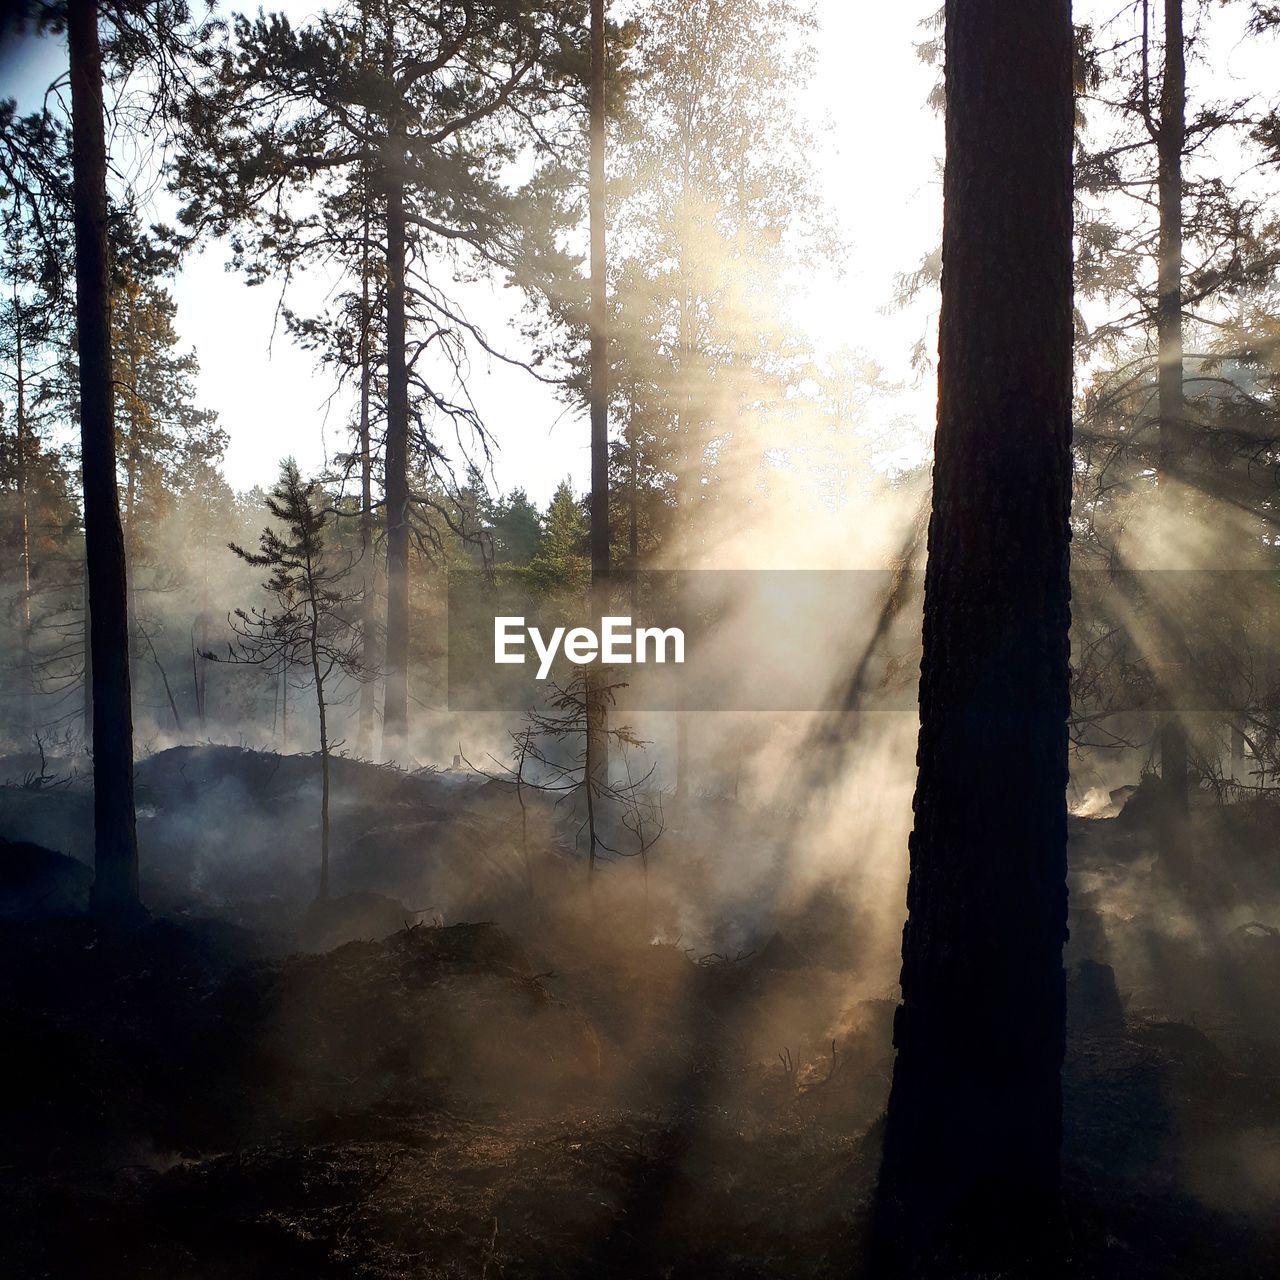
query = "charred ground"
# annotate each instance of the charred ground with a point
(253, 1084)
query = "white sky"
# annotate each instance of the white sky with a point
(880, 179)
(878, 165)
(879, 169)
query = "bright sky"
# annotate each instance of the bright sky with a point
(879, 169)
(879, 165)
(880, 179)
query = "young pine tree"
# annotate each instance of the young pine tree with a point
(397, 126)
(517, 529)
(312, 622)
(560, 563)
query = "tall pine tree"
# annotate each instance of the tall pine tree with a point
(969, 1181)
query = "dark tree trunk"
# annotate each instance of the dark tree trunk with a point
(317, 673)
(115, 888)
(969, 1183)
(86, 693)
(597, 707)
(368, 602)
(599, 315)
(130, 563)
(27, 672)
(395, 706)
(202, 663)
(1170, 141)
(284, 709)
(395, 698)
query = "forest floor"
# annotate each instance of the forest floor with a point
(244, 1086)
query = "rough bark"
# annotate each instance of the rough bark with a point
(115, 888)
(969, 1182)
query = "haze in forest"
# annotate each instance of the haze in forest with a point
(337, 320)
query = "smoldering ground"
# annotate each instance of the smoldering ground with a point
(472, 1059)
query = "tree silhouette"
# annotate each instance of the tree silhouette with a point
(115, 887)
(408, 113)
(311, 623)
(970, 1172)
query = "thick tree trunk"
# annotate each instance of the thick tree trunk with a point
(395, 706)
(1170, 141)
(969, 1182)
(115, 888)
(597, 706)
